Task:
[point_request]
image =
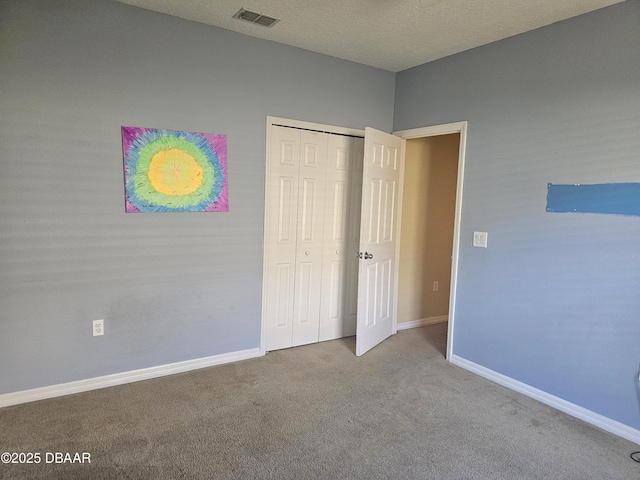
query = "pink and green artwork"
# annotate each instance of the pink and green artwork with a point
(173, 171)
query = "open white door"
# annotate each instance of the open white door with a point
(379, 241)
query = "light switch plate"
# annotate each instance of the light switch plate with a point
(480, 239)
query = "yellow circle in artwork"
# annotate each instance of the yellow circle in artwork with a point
(174, 172)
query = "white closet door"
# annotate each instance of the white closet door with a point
(336, 216)
(312, 225)
(310, 222)
(280, 237)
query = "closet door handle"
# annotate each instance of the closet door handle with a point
(368, 256)
(358, 254)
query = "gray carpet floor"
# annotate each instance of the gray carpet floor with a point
(315, 412)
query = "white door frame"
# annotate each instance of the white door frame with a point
(445, 129)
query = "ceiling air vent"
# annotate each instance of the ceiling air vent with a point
(255, 17)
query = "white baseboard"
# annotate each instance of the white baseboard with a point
(422, 322)
(605, 423)
(59, 390)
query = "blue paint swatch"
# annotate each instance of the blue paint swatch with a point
(607, 198)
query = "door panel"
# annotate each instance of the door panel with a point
(287, 150)
(304, 294)
(283, 290)
(280, 236)
(388, 214)
(336, 283)
(353, 236)
(305, 327)
(335, 247)
(371, 295)
(384, 309)
(377, 282)
(309, 249)
(286, 210)
(308, 209)
(375, 198)
(337, 222)
(293, 239)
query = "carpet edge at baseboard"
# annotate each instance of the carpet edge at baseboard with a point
(422, 322)
(593, 418)
(59, 390)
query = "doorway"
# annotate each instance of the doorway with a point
(426, 241)
(430, 238)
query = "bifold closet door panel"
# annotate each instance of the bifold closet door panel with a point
(353, 238)
(336, 217)
(280, 238)
(310, 237)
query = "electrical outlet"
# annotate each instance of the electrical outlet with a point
(98, 327)
(435, 285)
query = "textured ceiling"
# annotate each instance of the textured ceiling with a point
(389, 34)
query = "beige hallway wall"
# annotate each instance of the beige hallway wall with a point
(428, 211)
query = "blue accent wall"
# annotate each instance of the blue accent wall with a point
(170, 287)
(554, 301)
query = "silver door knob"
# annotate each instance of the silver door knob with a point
(368, 256)
(306, 253)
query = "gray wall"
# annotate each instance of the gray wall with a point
(170, 286)
(554, 301)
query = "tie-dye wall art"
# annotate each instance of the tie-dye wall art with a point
(173, 171)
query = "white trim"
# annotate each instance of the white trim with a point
(605, 423)
(396, 281)
(445, 129)
(96, 383)
(422, 322)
